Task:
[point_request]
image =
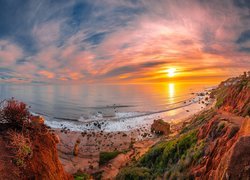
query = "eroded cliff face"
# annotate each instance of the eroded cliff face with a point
(45, 163)
(27, 146)
(214, 144)
(233, 96)
(226, 154)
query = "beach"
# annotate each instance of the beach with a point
(132, 142)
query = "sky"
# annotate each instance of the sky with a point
(123, 41)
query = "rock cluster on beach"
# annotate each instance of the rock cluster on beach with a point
(160, 127)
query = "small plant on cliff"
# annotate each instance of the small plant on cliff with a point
(107, 156)
(14, 113)
(20, 146)
(79, 175)
(166, 154)
(136, 173)
(233, 131)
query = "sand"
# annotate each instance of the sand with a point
(133, 143)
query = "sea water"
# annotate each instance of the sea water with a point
(116, 107)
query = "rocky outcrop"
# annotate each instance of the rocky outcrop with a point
(45, 163)
(160, 127)
(214, 145)
(235, 163)
(27, 146)
(225, 144)
(234, 98)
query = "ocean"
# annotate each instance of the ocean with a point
(116, 107)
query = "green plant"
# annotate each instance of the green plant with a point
(199, 119)
(107, 156)
(233, 131)
(220, 101)
(165, 155)
(79, 175)
(21, 147)
(135, 173)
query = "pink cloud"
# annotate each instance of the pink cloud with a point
(9, 53)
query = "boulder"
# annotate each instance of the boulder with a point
(37, 119)
(160, 127)
(76, 147)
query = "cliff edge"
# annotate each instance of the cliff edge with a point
(213, 144)
(27, 146)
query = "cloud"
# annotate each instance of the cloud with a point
(47, 33)
(106, 41)
(9, 53)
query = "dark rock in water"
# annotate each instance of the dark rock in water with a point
(160, 127)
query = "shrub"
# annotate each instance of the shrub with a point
(135, 173)
(107, 156)
(165, 155)
(21, 147)
(81, 176)
(15, 113)
(199, 119)
(153, 156)
(233, 131)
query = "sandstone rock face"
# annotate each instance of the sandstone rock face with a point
(235, 164)
(76, 147)
(228, 155)
(235, 98)
(160, 127)
(44, 163)
(37, 119)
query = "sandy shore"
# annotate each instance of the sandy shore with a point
(91, 144)
(133, 143)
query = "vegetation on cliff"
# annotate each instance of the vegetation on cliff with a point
(233, 95)
(206, 145)
(30, 147)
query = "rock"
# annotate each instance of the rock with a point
(160, 127)
(76, 147)
(37, 119)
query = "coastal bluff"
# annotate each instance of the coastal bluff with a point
(213, 144)
(27, 146)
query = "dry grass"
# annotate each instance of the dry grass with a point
(21, 147)
(14, 112)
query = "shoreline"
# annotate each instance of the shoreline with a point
(132, 143)
(137, 119)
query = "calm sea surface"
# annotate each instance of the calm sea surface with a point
(95, 102)
(74, 101)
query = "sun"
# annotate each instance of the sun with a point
(171, 72)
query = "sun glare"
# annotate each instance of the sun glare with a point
(171, 72)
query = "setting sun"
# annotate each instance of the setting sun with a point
(171, 72)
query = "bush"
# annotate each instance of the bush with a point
(107, 156)
(233, 131)
(21, 147)
(15, 113)
(199, 120)
(166, 154)
(81, 176)
(135, 173)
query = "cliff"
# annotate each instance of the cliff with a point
(212, 145)
(27, 146)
